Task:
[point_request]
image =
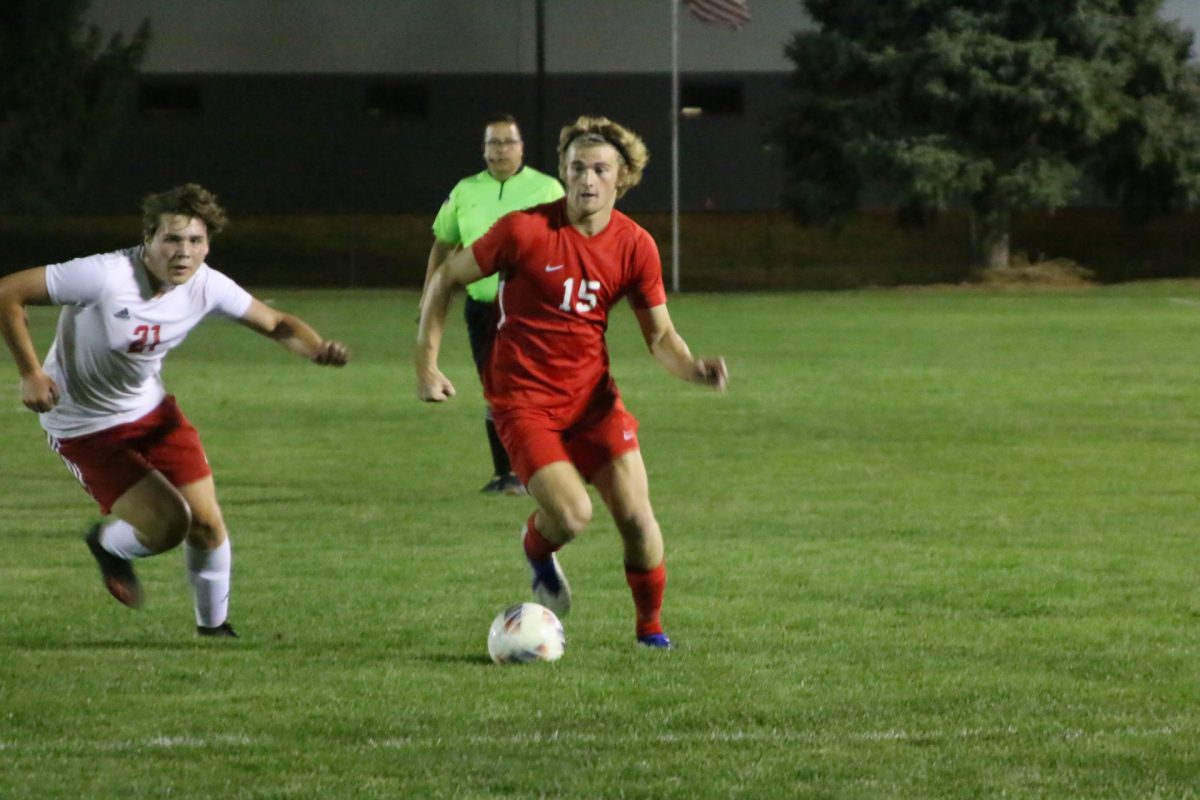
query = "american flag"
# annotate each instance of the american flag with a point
(734, 13)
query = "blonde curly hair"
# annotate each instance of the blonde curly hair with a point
(631, 150)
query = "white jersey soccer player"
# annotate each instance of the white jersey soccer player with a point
(113, 334)
(101, 399)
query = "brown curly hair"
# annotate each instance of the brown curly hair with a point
(601, 130)
(190, 200)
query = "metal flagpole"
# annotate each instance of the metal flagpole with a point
(675, 145)
(539, 111)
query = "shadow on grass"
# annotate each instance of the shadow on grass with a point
(455, 658)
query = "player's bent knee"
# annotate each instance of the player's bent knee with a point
(573, 518)
(577, 523)
(160, 513)
(206, 534)
(179, 522)
(638, 525)
(167, 526)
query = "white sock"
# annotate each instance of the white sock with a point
(208, 572)
(120, 538)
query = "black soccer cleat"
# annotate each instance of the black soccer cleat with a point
(117, 573)
(222, 631)
(509, 485)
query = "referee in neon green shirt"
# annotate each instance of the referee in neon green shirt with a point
(473, 205)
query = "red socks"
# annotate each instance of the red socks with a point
(648, 587)
(537, 547)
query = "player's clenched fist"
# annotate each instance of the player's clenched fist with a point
(331, 354)
(434, 387)
(712, 372)
(39, 392)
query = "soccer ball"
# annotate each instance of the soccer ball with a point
(526, 632)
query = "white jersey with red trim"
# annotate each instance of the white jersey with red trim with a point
(114, 332)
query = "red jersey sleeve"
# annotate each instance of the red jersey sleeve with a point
(646, 290)
(496, 248)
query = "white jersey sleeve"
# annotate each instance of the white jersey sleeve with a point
(78, 282)
(223, 296)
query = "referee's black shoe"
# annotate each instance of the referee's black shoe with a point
(509, 485)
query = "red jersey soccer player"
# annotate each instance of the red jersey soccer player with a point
(562, 266)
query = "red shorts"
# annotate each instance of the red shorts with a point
(534, 439)
(111, 461)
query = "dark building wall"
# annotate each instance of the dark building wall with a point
(348, 144)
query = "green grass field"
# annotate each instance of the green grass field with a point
(931, 544)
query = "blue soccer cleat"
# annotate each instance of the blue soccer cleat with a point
(550, 586)
(657, 640)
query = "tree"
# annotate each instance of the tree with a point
(61, 95)
(995, 106)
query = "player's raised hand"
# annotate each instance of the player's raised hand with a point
(712, 372)
(433, 386)
(331, 354)
(39, 392)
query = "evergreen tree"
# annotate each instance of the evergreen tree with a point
(62, 91)
(995, 106)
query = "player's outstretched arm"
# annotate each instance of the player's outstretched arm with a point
(294, 334)
(28, 287)
(670, 350)
(449, 276)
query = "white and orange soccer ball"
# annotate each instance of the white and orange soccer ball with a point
(526, 632)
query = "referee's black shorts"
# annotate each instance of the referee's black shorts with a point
(481, 329)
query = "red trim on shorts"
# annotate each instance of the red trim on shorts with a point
(109, 462)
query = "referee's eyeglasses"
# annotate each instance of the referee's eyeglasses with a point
(502, 142)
